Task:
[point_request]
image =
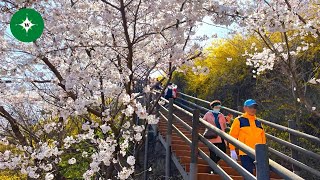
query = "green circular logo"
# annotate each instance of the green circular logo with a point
(26, 25)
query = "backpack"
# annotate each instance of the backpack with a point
(208, 133)
(175, 92)
(169, 93)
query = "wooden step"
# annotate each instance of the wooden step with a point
(186, 147)
(206, 168)
(181, 153)
(188, 135)
(206, 176)
(183, 143)
(187, 159)
(184, 131)
(201, 168)
(272, 175)
(180, 127)
(222, 163)
(177, 124)
(175, 149)
(178, 142)
(178, 138)
(174, 132)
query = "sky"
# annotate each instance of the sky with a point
(207, 28)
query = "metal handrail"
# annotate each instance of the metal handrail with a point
(293, 146)
(278, 140)
(187, 108)
(184, 106)
(271, 124)
(194, 104)
(294, 162)
(178, 107)
(211, 163)
(288, 144)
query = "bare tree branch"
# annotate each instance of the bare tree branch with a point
(110, 4)
(14, 126)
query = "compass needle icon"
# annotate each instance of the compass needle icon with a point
(27, 25)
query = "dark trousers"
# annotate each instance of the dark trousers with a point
(222, 147)
(247, 163)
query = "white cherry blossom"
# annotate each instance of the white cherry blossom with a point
(72, 161)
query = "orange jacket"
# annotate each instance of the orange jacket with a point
(248, 130)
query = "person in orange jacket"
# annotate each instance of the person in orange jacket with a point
(249, 131)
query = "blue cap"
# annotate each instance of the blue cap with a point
(250, 102)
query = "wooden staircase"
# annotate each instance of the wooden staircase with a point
(183, 151)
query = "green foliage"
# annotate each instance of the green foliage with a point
(225, 78)
(76, 170)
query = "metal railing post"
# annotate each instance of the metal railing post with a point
(157, 115)
(168, 140)
(157, 106)
(262, 162)
(148, 99)
(293, 140)
(194, 145)
(146, 142)
(146, 147)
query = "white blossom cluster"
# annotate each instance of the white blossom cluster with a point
(264, 19)
(46, 156)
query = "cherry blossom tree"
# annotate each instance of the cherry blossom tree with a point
(288, 29)
(81, 76)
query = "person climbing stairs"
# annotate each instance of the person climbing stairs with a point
(182, 151)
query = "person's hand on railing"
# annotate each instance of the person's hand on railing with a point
(234, 155)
